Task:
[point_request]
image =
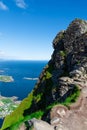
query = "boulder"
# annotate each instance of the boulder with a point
(40, 125)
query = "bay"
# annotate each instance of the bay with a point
(21, 86)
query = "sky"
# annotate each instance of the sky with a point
(28, 27)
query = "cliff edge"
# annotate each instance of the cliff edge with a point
(59, 96)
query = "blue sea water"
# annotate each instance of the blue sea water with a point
(18, 70)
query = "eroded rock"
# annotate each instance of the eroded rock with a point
(41, 125)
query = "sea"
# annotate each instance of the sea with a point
(24, 73)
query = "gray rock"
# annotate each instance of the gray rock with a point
(55, 120)
(67, 67)
(41, 125)
(76, 73)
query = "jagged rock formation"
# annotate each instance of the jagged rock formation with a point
(64, 76)
(68, 65)
(67, 68)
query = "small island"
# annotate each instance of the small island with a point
(4, 78)
(30, 78)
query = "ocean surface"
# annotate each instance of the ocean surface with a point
(20, 71)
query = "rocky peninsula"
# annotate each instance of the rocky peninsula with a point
(8, 105)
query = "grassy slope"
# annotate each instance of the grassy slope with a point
(16, 118)
(17, 115)
(26, 109)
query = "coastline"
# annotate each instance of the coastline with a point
(8, 105)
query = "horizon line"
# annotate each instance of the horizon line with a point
(24, 59)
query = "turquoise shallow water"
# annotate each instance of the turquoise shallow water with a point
(21, 86)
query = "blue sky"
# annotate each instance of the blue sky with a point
(27, 27)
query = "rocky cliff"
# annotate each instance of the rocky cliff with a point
(63, 81)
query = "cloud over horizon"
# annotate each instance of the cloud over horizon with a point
(2, 53)
(3, 6)
(21, 4)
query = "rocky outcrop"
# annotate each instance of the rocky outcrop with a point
(40, 125)
(74, 118)
(66, 70)
(68, 65)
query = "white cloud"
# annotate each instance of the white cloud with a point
(3, 6)
(21, 3)
(2, 53)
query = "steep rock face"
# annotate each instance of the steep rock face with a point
(66, 70)
(68, 65)
(72, 46)
(70, 53)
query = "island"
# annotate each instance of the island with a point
(8, 105)
(4, 78)
(30, 78)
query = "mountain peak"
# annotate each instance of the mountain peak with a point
(77, 27)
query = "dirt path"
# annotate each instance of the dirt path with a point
(76, 117)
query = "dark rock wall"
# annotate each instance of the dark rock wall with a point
(67, 67)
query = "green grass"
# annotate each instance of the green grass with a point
(38, 97)
(62, 53)
(73, 97)
(17, 115)
(16, 126)
(69, 100)
(7, 100)
(37, 115)
(48, 75)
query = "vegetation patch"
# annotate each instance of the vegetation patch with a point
(4, 78)
(17, 115)
(73, 97)
(62, 53)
